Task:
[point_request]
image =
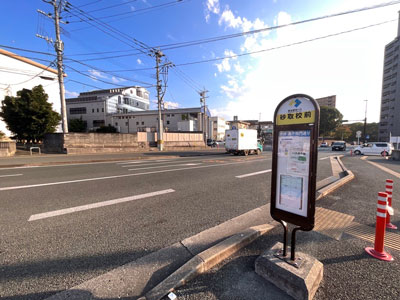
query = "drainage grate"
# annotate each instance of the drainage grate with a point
(367, 233)
(331, 223)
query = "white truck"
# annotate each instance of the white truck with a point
(242, 141)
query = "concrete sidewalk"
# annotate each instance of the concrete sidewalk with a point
(349, 272)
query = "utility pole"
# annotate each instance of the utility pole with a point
(59, 47)
(203, 101)
(365, 122)
(158, 54)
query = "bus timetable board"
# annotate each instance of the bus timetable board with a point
(294, 161)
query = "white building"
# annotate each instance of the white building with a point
(183, 119)
(95, 107)
(217, 128)
(17, 73)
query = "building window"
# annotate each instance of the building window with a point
(97, 110)
(102, 110)
(92, 110)
(126, 123)
(77, 110)
(116, 123)
(119, 99)
(167, 122)
(98, 123)
(142, 123)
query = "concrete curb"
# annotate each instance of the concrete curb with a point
(344, 177)
(206, 260)
(216, 254)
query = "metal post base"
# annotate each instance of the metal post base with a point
(297, 262)
(379, 255)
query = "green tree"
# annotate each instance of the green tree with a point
(372, 131)
(330, 119)
(29, 115)
(342, 133)
(77, 125)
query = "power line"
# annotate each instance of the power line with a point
(111, 6)
(98, 79)
(142, 47)
(285, 46)
(26, 50)
(268, 49)
(147, 9)
(90, 3)
(107, 72)
(96, 87)
(224, 37)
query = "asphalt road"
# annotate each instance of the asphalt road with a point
(349, 272)
(59, 229)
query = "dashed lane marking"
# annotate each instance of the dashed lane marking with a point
(11, 175)
(252, 174)
(71, 210)
(163, 166)
(8, 188)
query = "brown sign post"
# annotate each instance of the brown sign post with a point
(294, 165)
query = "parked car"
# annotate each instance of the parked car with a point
(340, 146)
(324, 144)
(375, 148)
(211, 143)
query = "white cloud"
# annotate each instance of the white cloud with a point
(225, 65)
(229, 19)
(348, 65)
(94, 74)
(211, 6)
(171, 105)
(139, 61)
(117, 79)
(71, 94)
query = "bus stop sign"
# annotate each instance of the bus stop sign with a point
(294, 161)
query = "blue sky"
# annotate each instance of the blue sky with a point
(348, 65)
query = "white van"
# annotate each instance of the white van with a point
(377, 148)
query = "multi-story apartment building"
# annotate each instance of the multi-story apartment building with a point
(95, 107)
(389, 124)
(217, 128)
(329, 101)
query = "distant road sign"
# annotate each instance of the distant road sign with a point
(358, 134)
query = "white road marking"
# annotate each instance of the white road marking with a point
(64, 165)
(8, 188)
(252, 174)
(140, 161)
(11, 175)
(71, 210)
(164, 166)
(324, 157)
